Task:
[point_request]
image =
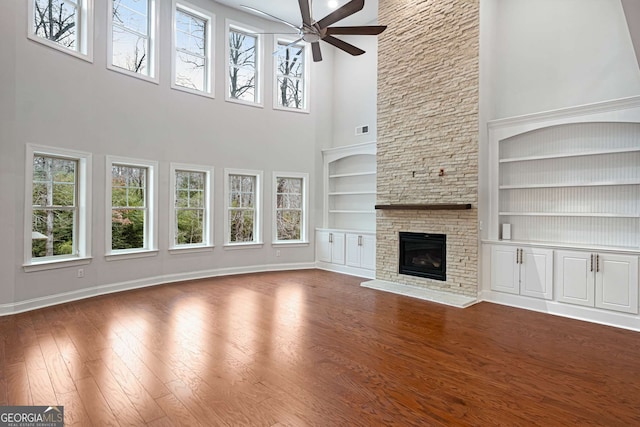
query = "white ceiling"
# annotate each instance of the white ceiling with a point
(289, 10)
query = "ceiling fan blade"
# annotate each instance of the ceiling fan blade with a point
(348, 9)
(370, 30)
(315, 50)
(271, 16)
(347, 47)
(305, 12)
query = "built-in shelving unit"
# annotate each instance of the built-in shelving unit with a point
(350, 187)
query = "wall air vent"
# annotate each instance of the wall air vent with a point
(362, 130)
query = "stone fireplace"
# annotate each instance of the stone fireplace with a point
(427, 150)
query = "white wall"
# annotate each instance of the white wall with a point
(56, 100)
(550, 54)
(355, 91)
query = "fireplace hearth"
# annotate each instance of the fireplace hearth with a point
(423, 255)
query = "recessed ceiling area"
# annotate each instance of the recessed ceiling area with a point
(289, 10)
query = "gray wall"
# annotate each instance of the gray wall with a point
(50, 98)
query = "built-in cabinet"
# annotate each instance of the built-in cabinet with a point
(361, 250)
(347, 242)
(522, 270)
(598, 279)
(567, 184)
(330, 247)
(351, 252)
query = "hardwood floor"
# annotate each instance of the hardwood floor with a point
(313, 348)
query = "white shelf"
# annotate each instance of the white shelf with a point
(565, 155)
(352, 193)
(347, 175)
(571, 214)
(569, 184)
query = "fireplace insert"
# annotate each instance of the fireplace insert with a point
(423, 255)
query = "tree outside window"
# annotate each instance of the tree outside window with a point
(131, 35)
(57, 20)
(128, 207)
(242, 65)
(290, 72)
(191, 62)
(55, 208)
(190, 207)
(242, 208)
(289, 208)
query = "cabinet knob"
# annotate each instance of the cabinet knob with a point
(591, 269)
(597, 263)
(330, 237)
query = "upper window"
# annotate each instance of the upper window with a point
(132, 43)
(290, 207)
(191, 212)
(66, 25)
(58, 205)
(243, 65)
(131, 195)
(192, 62)
(291, 76)
(242, 210)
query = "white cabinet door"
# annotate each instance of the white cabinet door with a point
(323, 246)
(368, 254)
(617, 282)
(536, 273)
(337, 248)
(505, 272)
(575, 277)
(353, 252)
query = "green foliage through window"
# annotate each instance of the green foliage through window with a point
(54, 206)
(128, 207)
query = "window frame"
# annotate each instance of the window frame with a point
(82, 232)
(154, 44)
(84, 35)
(304, 226)
(306, 75)
(210, 20)
(231, 25)
(208, 242)
(257, 227)
(150, 247)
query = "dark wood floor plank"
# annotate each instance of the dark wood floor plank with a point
(314, 348)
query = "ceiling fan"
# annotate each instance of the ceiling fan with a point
(313, 31)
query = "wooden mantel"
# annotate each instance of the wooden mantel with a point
(426, 207)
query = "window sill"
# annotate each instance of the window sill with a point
(85, 57)
(192, 91)
(250, 245)
(291, 110)
(190, 249)
(115, 256)
(241, 102)
(53, 264)
(126, 72)
(290, 244)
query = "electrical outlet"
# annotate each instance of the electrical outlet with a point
(278, 252)
(80, 273)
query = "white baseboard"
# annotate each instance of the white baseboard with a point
(587, 314)
(49, 300)
(345, 269)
